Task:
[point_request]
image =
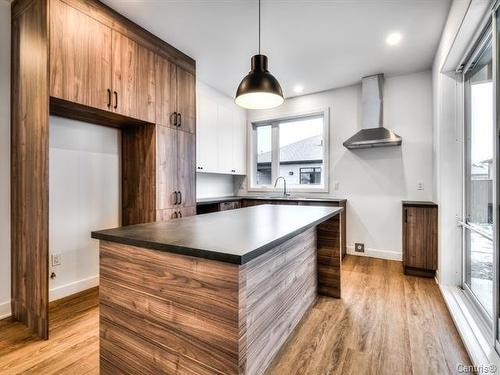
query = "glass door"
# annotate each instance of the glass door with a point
(479, 177)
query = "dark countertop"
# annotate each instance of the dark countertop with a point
(266, 198)
(234, 236)
(217, 200)
(419, 203)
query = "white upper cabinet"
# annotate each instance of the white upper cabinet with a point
(225, 131)
(239, 143)
(221, 137)
(207, 134)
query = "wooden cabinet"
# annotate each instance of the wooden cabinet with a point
(166, 95)
(186, 100)
(226, 206)
(176, 92)
(133, 79)
(176, 141)
(186, 169)
(176, 177)
(82, 60)
(80, 57)
(93, 65)
(166, 168)
(221, 132)
(420, 238)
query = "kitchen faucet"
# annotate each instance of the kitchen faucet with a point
(285, 193)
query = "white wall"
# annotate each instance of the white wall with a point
(374, 181)
(84, 195)
(209, 185)
(4, 158)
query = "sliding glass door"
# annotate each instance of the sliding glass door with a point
(479, 177)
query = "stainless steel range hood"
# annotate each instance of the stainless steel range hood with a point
(373, 133)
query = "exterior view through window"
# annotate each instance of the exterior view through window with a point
(292, 148)
(479, 176)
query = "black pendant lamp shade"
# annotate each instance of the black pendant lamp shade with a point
(259, 89)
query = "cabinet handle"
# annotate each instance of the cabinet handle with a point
(180, 214)
(176, 198)
(116, 100)
(173, 119)
(406, 215)
(179, 123)
(109, 98)
(180, 199)
(174, 215)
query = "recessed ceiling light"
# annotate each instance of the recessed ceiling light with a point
(393, 39)
(298, 89)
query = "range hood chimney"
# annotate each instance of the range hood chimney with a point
(373, 133)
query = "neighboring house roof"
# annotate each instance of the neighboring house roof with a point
(480, 169)
(308, 149)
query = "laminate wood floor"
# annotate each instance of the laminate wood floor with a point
(386, 323)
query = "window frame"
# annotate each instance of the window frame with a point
(274, 120)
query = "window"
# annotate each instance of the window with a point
(292, 147)
(264, 155)
(479, 179)
(310, 176)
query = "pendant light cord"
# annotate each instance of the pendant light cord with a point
(259, 27)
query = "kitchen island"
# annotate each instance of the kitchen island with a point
(213, 294)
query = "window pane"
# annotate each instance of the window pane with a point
(479, 180)
(301, 151)
(264, 145)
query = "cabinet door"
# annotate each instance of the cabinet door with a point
(166, 215)
(133, 79)
(239, 143)
(80, 57)
(420, 237)
(225, 138)
(206, 135)
(186, 163)
(186, 100)
(187, 211)
(166, 167)
(166, 92)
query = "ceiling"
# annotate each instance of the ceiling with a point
(319, 44)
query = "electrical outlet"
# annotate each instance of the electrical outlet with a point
(420, 186)
(336, 186)
(56, 259)
(359, 247)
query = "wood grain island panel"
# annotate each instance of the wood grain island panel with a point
(162, 311)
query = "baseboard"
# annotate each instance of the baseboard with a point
(72, 288)
(5, 310)
(57, 293)
(375, 253)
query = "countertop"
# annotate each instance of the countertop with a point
(234, 236)
(419, 203)
(266, 198)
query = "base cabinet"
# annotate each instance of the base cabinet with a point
(420, 238)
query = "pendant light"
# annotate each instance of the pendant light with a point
(259, 89)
